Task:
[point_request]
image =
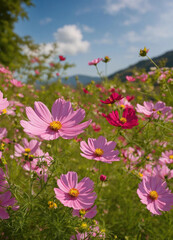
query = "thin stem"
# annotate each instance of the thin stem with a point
(153, 62)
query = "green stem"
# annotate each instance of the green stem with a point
(153, 62)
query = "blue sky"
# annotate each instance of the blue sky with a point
(88, 29)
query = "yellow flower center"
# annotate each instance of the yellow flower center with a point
(159, 112)
(74, 192)
(171, 157)
(140, 174)
(4, 111)
(123, 120)
(55, 125)
(27, 150)
(122, 106)
(84, 225)
(153, 195)
(82, 212)
(99, 152)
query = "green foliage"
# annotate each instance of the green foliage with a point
(10, 43)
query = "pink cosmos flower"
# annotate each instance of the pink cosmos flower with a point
(158, 110)
(100, 150)
(166, 158)
(95, 61)
(3, 102)
(63, 122)
(113, 98)
(87, 213)
(39, 164)
(6, 201)
(16, 83)
(37, 72)
(130, 78)
(124, 103)
(73, 194)
(127, 121)
(3, 133)
(130, 98)
(28, 148)
(163, 172)
(154, 193)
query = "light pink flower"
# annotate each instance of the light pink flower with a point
(100, 150)
(16, 83)
(166, 158)
(163, 172)
(73, 194)
(37, 72)
(158, 110)
(154, 193)
(3, 102)
(28, 148)
(39, 164)
(95, 61)
(63, 122)
(3, 133)
(87, 213)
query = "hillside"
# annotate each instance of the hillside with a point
(163, 60)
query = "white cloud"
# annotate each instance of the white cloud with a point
(70, 40)
(45, 21)
(106, 39)
(153, 33)
(112, 7)
(131, 20)
(87, 29)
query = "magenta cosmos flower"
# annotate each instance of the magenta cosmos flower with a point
(16, 83)
(100, 150)
(95, 61)
(154, 193)
(6, 200)
(3, 103)
(73, 194)
(113, 98)
(127, 121)
(63, 122)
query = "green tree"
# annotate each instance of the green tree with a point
(10, 43)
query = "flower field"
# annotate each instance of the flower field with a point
(94, 162)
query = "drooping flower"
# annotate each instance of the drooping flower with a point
(87, 213)
(113, 98)
(63, 122)
(103, 178)
(127, 121)
(100, 150)
(73, 194)
(143, 52)
(106, 59)
(154, 193)
(3, 103)
(95, 61)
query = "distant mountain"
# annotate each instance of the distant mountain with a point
(165, 60)
(81, 78)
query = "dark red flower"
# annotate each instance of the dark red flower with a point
(127, 121)
(62, 58)
(113, 98)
